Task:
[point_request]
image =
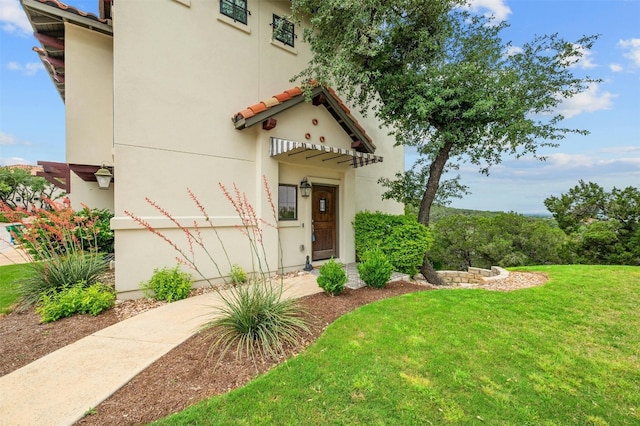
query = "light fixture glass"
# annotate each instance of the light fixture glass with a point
(305, 188)
(103, 176)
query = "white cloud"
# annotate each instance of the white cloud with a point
(10, 161)
(30, 68)
(6, 139)
(616, 67)
(513, 50)
(618, 149)
(583, 59)
(13, 18)
(632, 48)
(496, 8)
(590, 100)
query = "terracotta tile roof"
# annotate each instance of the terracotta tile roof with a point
(294, 94)
(265, 104)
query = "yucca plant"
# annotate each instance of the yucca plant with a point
(255, 319)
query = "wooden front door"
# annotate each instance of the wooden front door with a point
(324, 212)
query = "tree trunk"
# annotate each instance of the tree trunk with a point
(435, 173)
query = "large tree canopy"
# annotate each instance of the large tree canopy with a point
(444, 81)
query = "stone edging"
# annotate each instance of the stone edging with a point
(474, 275)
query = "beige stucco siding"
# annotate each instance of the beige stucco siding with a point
(180, 73)
(89, 109)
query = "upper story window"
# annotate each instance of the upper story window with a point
(235, 9)
(283, 30)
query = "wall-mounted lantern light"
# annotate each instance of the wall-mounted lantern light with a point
(103, 176)
(305, 188)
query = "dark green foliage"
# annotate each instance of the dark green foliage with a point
(77, 299)
(401, 238)
(168, 284)
(332, 278)
(603, 226)
(257, 321)
(406, 246)
(506, 239)
(53, 274)
(375, 270)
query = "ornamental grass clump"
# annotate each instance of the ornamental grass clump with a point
(257, 321)
(376, 269)
(53, 274)
(332, 278)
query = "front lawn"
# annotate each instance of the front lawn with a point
(9, 275)
(564, 353)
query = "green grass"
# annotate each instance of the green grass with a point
(9, 275)
(567, 353)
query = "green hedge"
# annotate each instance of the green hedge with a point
(401, 238)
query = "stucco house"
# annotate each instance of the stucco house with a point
(174, 94)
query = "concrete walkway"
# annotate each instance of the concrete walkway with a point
(9, 255)
(60, 388)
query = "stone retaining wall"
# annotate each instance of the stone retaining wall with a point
(473, 275)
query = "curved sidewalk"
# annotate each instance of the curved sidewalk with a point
(60, 388)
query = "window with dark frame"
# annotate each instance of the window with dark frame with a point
(235, 9)
(287, 202)
(283, 30)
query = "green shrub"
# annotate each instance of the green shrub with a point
(168, 284)
(76, 299)
(406, 246)
(401, 238)
(237, 275)
(60, 271)
(376, 269)
(256, 321)
(97, 233)
(332, 278)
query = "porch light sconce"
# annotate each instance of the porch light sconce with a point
(305, 188)
(103, 176)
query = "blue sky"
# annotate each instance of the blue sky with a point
(32, 113)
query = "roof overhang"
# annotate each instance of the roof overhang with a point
(320, 95)
(321, 153)
(47, 18)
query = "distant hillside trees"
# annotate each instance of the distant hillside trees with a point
(603, 227)
(503, 239)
